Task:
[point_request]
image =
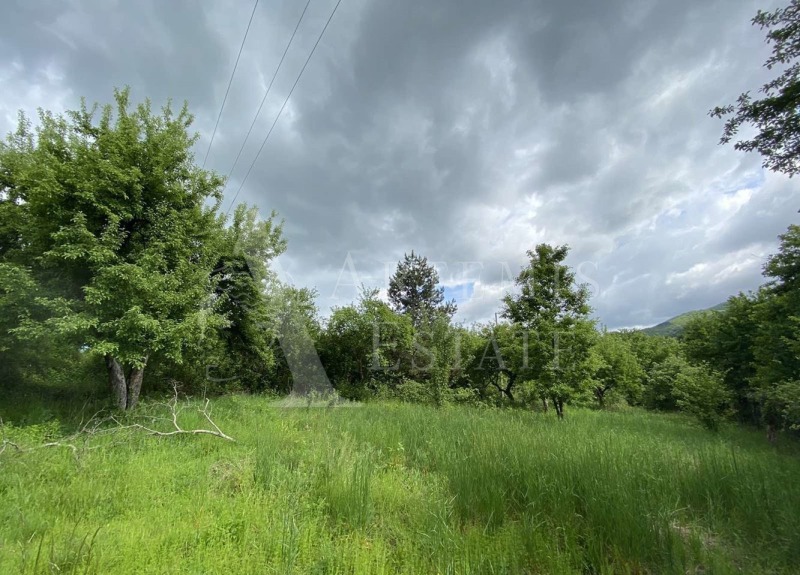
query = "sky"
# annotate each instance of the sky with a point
(468, 131)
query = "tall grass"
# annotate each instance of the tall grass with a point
(387, 488)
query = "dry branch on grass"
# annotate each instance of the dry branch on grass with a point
(75, 442)
(175, 410)
(96, 426)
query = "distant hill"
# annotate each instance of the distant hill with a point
(674, 327)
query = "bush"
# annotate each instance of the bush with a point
(412, 391)
(701, 392)
(465, 396)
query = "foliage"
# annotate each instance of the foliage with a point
(554, 312)
(441, 341)
(115, 228)
(296, 328)
(659, 390)
(784, 267)
(726, 341)
(365, 344)
(755, 342)
(111, 237)
(414, 291)
(775, 115)
(776, 353)
(616, 368)
(701, 392)
(782, 404)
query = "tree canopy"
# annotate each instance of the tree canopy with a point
(776, 115)
(554, 312)
(107, 214)
(414, 290)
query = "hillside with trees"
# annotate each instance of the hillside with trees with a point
(675, 326)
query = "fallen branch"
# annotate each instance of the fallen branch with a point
(175, 410)
(87, 430)
(78, 442)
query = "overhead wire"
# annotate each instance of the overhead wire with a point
(269, 88)
(277, 117)
(230, 81)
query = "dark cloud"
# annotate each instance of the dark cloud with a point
(468, 131)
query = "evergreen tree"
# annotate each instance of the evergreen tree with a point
(414, 291)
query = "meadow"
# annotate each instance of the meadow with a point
(398, 488)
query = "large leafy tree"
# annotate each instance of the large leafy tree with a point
(554, 311)
(296, 328)
(755, 343)
(660, 358)
(777, 343)
(701, 392)
(242, 281)
(499, 358)
(116, 225)
(616, 369)
(775, 115)
(366, 344)
(414, 290)
(725, 340)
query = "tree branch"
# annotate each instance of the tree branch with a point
(78, 442)
(175, 410)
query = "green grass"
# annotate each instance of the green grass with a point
(387, 488)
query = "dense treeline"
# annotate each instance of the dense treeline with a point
(115, 257)
(754, 343)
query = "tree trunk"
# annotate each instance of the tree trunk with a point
(600, 393)
(125, 390)
(118, 385)
(135, 384)
(559, 405)
(511, 379)
(544, 404)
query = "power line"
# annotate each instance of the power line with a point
(264, 143)
(230, 81)
(264, 99)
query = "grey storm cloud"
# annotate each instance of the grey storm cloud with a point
(467, 131)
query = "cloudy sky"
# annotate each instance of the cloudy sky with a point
(466, 130)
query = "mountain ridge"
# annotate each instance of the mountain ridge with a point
(674, 326)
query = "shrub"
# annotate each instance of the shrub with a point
(701, 392)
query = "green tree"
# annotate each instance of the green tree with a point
(616, 369)
(444, 348)
(502, 361)
(659, 392)
(296, 333)
(243, 353)
(755, 342)
(414, 291)
(701, 392)
(118, 227)
(725, 340)
(776, 352)
(554, 311)
(784, 267)
(366, 344)
(774, 116)
(470, 344)
(652, 353)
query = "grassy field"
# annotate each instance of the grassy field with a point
(386, 488)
